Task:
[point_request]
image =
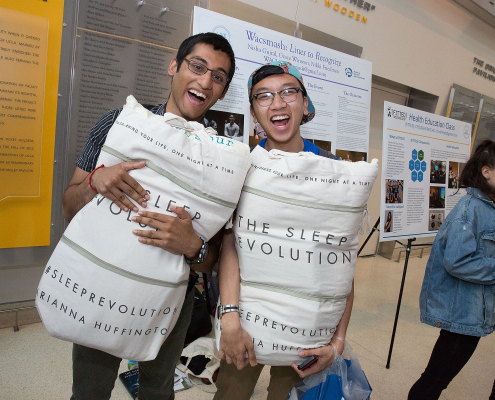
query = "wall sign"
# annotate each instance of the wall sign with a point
(360, 12)
(30, 36)
(484, 70)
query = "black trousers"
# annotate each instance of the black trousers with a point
(451, 352)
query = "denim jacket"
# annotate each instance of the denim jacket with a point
(458, 292)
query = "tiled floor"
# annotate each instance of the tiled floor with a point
(35, 366)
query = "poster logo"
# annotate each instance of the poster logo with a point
(391, 113)
(222, 31)
(350, 73)
(466, 132)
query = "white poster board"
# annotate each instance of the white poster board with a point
(423, 156)
(339, 85)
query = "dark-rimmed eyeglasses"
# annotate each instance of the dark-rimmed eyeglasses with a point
(288, 95)
(198, 68)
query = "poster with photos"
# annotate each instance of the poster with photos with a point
(422, 159)
(338, 84)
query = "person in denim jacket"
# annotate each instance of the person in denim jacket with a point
(458, 293)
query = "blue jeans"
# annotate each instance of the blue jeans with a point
(94, 372)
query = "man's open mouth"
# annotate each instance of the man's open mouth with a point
(280, 121)
(196, 96)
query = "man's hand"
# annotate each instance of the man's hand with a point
(113, 182)
(235, 342)
(174, 234)
(326, 356)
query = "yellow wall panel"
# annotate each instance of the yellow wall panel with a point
(27, 129)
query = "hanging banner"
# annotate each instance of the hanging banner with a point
(422, 158)
(339, 85)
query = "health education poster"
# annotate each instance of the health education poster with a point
(339, 85)
(423, 156)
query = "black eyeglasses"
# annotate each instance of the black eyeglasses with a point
(218, 77)
(288, 95)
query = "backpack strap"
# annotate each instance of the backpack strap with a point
(326, 154)
(322, 152)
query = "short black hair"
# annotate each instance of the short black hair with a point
(471, 176)
(218, 42)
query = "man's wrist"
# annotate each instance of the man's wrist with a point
(200, 252)
(91, 177)
(227, 309)
(230, 321)
(338, 343)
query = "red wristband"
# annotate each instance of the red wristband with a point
(91, 175)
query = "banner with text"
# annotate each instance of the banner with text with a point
(24, 41)
(30, 45)
(422, 159)
(339, 85)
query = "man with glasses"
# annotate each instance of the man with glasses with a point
(201, 73)
(280, 103)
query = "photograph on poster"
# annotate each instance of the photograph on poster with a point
(323, 144)
(389, 222)
(226, 123)
(394, 190)
(437, 197)
(256, 133)
(437, 171)
(346, 155)
(259, 132)
(436, 220)
(461, 168)
(453, 175)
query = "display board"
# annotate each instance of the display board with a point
(485, 127)
(423, 155)
(30, 36)
(122, 48)
(464, 105)
(339, 85)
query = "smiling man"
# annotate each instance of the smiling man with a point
(280, 103)
(201, 73)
